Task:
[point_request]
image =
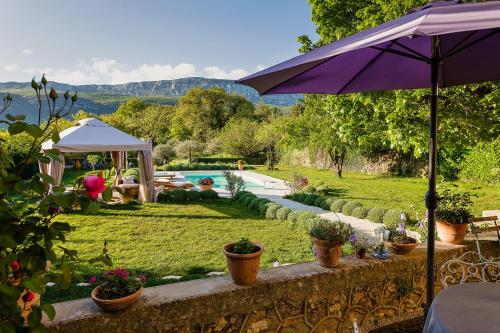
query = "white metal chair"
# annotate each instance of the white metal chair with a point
(469, 267)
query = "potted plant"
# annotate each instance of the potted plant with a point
(452, 216)
(399, 241)
(243, 260)
(206, 183)
(328, 238)
(241, 165)
(360, 244)
(118, 290)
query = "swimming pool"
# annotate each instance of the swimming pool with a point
(219, 180)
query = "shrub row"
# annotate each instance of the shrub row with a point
(231, 160)
(183, 196)
(273, 211)
(198, 166)
(390, 217)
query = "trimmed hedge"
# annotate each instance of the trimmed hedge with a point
(198, 166)
(247, 199)
(183, 196)
(337, 205)
(230, 160)
(349, 207)
(320, 202)
(254, 203)
(393, 217)
(272, 209)
(262, 206)
(310, 199)
(328, 203)
(304, 217)
(360, 212)
(240, 194)
(376, 215)
(282, 213)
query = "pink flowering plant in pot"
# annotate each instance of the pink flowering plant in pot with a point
(32, 208)
(206, 183)
(117, 289)
(360, 245)
(399, 241)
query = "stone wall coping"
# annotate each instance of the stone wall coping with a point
(85, 309)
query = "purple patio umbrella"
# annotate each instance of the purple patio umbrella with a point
(442, 44)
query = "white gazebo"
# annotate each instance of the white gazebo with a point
(93, 135)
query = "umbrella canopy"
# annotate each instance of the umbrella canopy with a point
(442, 44)
(93, 135)
(397, 54)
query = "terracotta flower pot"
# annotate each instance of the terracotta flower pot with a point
(450, 232)
(115, 304)
(328, 254)
(361, 253)
(402, 248)
(26, 307)
(243, 267)
(206, 187)
(241, 167)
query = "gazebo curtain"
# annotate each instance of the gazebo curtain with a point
(146, 172)
(55, 168)
(117, 157)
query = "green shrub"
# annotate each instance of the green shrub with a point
(193, 196)
(310, 199)
(246, 196)
(376, 215)
(271, 211)
(323, 189)
(247, 200)
(393, 217)
(320, 202)
(304, 218)
(254, 204)
(209, 195)
(178, 196)
(292, 217)
(328, 203)
(282, 213)
(337, 205)
(300, 197)
(349, 207)
(238, 195)
(262, 206)
(164, 197)
(482, 163)
(360, 212)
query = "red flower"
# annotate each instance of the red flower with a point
(92, 279)
(15, 265)
(94, 185)
(142, 277)
(120, 272)
(28, 297)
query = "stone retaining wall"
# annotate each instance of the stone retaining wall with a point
(295, 298)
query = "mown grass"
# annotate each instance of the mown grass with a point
(168, 239)
(386, 191)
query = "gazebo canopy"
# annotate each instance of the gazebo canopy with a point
(93, 135)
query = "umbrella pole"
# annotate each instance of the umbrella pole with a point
(431, 195)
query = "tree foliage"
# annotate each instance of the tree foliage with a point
(239, 138)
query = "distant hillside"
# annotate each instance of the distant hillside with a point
(104, 98)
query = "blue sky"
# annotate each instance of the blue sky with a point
(111, 41)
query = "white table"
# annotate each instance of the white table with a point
(467, 308)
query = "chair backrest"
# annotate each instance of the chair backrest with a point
(469, 267)
(484, 227)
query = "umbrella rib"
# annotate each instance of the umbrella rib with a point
(368, 64)
(400, 53)
(460, 42)
(296, 75)
(412, 51)
(493, 32)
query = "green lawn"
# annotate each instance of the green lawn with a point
(168, 239)
(385, 191)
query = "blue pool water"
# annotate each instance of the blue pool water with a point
(219, 180)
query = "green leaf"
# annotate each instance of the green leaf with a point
(16, 117)
(49, 310)
(63, 199)
(35, 318)
(55, 136)
(7, 241)
(34, 131)
(107, 195)
(46, 178)
(34, 284)
(16, 128)
(54, 154)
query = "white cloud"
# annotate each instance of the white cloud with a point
(218, 73)
(11, 67)
(27, 52)
(111, 71)
(258, 68)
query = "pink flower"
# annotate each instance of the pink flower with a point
(28, 297)
(15, 265)
(142, 277)
(92, 279)
(119, 272)
(94, 185)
